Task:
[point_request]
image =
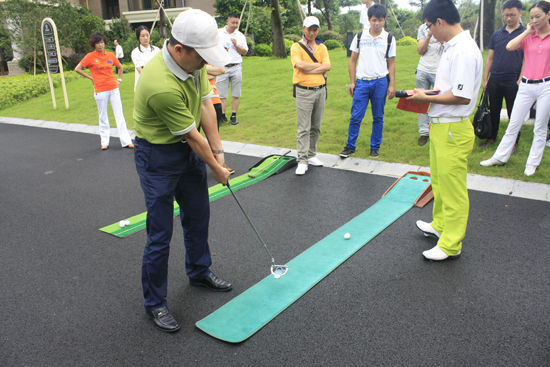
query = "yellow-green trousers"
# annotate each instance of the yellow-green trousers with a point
(450, 146)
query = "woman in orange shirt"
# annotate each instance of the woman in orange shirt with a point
(100, 63)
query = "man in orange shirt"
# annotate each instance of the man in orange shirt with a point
(310, 61)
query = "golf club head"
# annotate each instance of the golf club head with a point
(279, 270)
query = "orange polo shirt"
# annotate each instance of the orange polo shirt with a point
(297, 53)
(101, 68)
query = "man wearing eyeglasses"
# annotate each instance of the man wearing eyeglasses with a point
(504, 66)
(452, 137)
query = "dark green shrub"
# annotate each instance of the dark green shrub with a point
(262, 49)
(288, 45)
(332, 44)
(27, 63)
(292, 37)
(330, 35)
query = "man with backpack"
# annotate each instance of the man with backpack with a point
(372, 78)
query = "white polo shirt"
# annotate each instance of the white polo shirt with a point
(364, 16)
(459, 72)
(372, 54)
(225, 40)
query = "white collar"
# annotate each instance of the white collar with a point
(453, 41)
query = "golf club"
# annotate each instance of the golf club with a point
(253, 175)
(277, 270)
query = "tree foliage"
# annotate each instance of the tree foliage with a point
(74, 24)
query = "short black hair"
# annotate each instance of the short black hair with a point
(444, 9)
(233, 15)
(96, 38)
(172, 41)
(513, 4)
(377, 10)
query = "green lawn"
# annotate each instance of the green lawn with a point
(267, 115)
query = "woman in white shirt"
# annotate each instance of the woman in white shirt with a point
(144, 52)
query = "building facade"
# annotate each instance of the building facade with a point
(135, 11)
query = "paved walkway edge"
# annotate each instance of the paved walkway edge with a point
(496, 185)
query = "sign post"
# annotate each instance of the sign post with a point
(53, 57)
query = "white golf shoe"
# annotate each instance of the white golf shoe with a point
(301, 169)
(427, 229)
(491, 162)
(529, 170)
(437, 254)
(315, 162)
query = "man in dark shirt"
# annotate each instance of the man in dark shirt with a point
(504, 66)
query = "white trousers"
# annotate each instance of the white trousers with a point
(102, 99)
(527, 95)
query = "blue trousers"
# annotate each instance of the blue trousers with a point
(168, 171)
(368, 90)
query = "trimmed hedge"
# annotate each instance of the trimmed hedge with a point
(407, 41)
(19, 88)
(332, 44)
(262, 49)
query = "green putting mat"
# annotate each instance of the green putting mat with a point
(247, 313)
(265, 168)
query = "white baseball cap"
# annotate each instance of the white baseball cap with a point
(198, 29)
(311, 20)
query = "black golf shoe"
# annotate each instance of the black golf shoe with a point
(213, 283)
(164, 320)
(346, 152)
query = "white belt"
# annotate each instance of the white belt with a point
(367, 78)
(446, 120)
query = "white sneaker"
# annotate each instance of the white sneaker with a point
(437, 254)
(491, 162)
(427, 229)
(315, 162)
(529, 170)
(301, 169)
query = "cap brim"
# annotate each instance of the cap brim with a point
(216, 55)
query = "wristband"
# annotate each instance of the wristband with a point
(217, 151)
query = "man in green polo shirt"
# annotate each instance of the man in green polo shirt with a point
(172, 102)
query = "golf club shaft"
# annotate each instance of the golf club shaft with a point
(251, 224)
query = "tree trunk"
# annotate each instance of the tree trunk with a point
(326, 14)
(162, 23)
(277, 30)
(488, 21)
(309, 7)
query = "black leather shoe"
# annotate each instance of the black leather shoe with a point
(213, 283)
(164, 320)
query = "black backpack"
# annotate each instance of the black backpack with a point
(387, 48)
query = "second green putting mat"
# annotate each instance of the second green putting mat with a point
(267, 167)
(247, 313)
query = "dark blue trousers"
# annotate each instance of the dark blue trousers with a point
(168, 172)
(368, 90)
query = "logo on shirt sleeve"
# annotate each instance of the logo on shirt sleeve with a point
(460, 86)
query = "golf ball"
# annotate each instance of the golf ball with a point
(347, 236)
(122, 223)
